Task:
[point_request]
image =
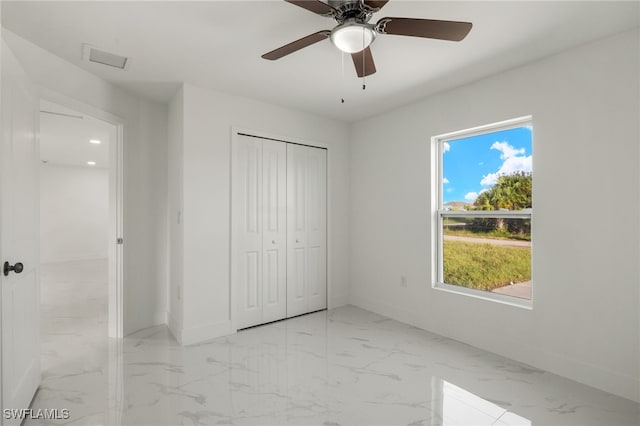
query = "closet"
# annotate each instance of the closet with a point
(279, 229)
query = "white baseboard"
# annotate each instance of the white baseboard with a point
(205, 332)
(590, 375)
(388, 310)
(174, 327)
(337, 302)
(161, 317)
(198, 334)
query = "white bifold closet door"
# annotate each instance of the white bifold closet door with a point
(306, 229)
(279, 216)
(261, 233)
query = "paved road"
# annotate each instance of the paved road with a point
(510, 243)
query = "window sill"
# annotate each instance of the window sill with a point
(485, 295)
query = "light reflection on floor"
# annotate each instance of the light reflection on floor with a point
(460, 407)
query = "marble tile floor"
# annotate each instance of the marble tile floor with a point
(346, 366)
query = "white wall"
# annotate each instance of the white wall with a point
(74, 213)
(585, 322)
(145, 174)
(208, 118)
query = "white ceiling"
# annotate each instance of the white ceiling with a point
(217, 45)
(65, 135)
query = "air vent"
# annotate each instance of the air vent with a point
(92, 54)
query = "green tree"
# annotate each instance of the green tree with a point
(511, 192)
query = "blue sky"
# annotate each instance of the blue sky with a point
(471, 165)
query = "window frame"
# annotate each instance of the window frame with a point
(438, 213)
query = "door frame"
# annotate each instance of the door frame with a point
(116, 227)
(235, 132)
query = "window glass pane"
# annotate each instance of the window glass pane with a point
(491, 171)
(490, 254)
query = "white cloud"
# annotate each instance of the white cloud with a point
(490, 179)
(445, 180)
(507, 150)
(450, 189)
(445, 147)
(514, 161)
(471, 196)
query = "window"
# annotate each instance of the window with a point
(482, 211)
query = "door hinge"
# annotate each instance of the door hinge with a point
(120, 241)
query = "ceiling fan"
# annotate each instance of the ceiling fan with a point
(354, 34)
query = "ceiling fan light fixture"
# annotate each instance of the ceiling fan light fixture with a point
(352, 37)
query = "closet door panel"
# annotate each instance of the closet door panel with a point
(247, 223)
(307, 259)
(316, 161)
(274, 237)
(297, 231)
(251, 280)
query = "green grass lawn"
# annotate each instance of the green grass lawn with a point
(485, 266)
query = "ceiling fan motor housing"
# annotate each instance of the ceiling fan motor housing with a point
(350, 10)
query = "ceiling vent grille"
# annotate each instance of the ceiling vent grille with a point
(92, 54)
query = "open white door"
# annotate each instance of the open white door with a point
(19, 223)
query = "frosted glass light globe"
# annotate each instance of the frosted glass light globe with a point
(353, 37)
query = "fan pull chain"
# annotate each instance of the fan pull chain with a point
(343, 85)
(364, 70)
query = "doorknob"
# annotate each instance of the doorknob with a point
(17, 268)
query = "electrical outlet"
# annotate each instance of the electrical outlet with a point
(403, 281)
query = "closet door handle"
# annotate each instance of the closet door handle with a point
(17, 268)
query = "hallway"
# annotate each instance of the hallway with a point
(74, 337)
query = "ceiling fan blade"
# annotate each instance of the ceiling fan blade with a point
(375, 5)
(296, 45)
(363, 62)
(315, 6)
(427, 28)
